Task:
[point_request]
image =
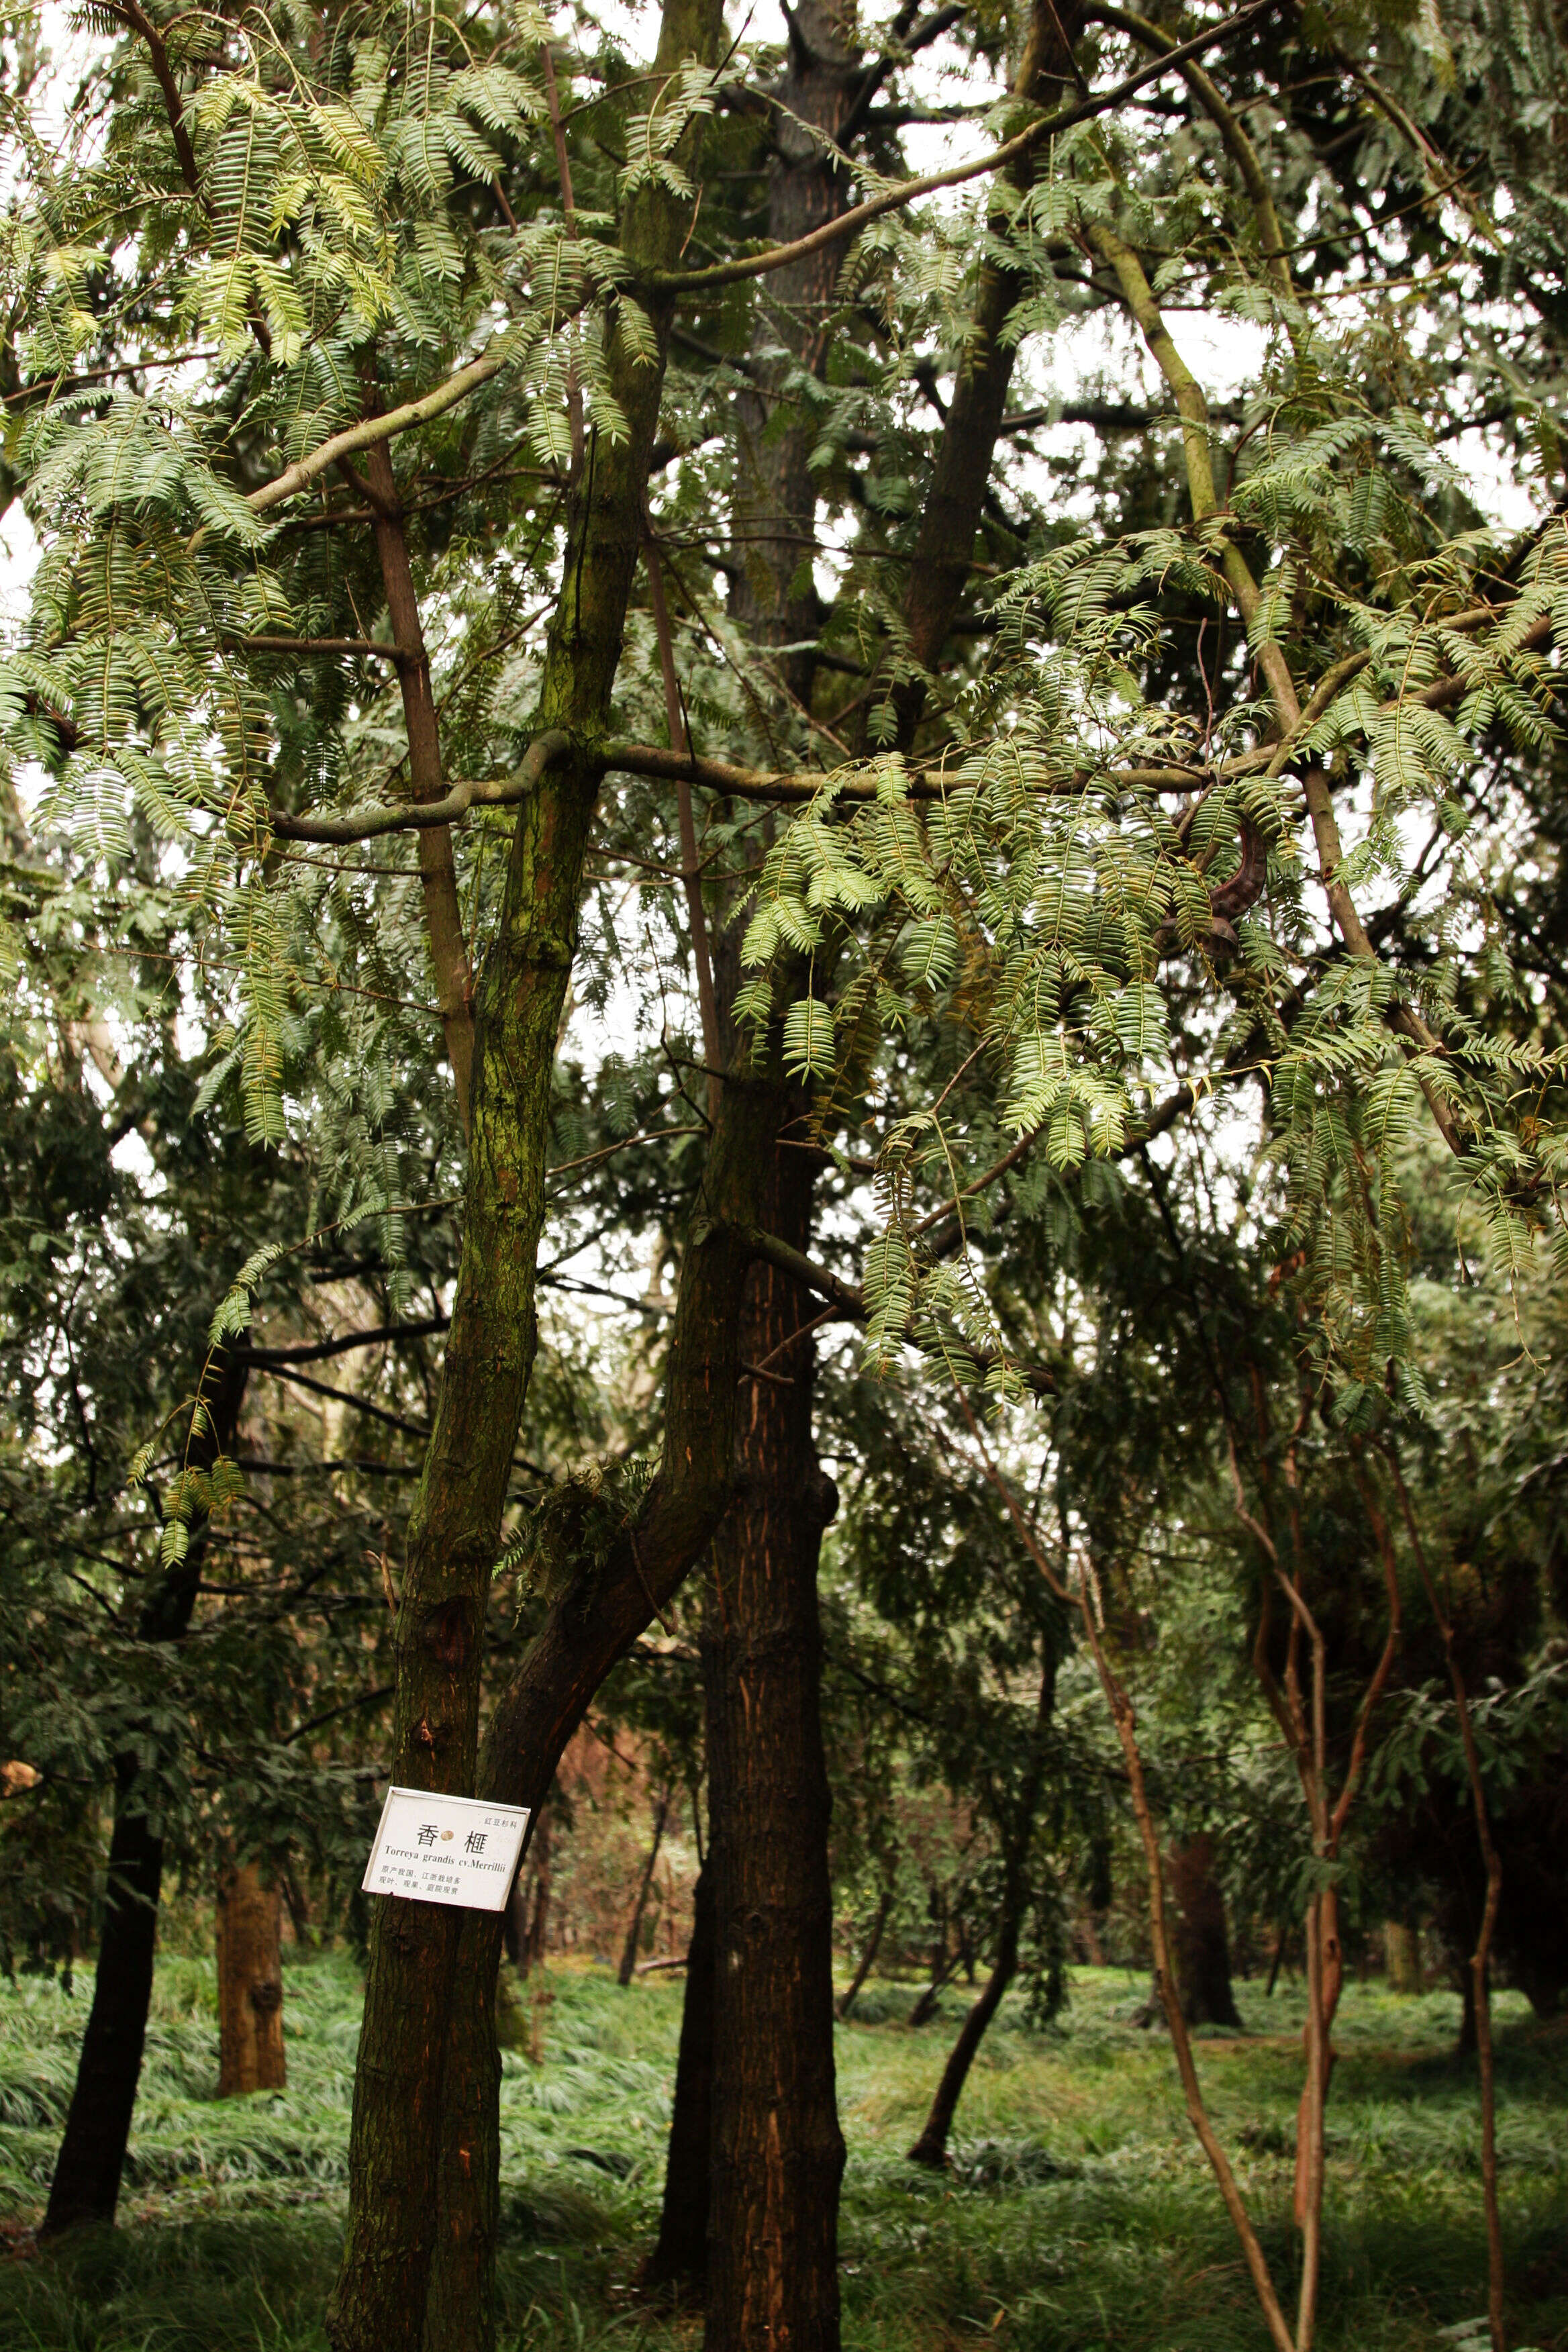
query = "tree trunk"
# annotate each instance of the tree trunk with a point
(395, 2146)
(944, 550)
(629, 1957)
(86, 2185)
(250, 1984)
(1016, 1825)
(536, 1931)
(604, 1606)
(1280, 1942)
(1200, 1950)
(930, 2148)
(680, 2255)
(1402, 1953)
(851, 1994)
(777, 2152)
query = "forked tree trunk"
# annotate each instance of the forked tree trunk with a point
(604, 1606)
(86, 2185)
(777, 2151)
(679, 2256)
(250, 1984)
(1200, 1945)
(396, 2156)
(1016, 1828)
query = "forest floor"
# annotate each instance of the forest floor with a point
(1078, 2217)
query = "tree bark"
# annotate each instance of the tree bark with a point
(395, 2148)
(680, 2255)
(629, 1956)
(604, 1606)
(86, 2185)
(1201, 1949)
(777, 2152)
(250, 1984)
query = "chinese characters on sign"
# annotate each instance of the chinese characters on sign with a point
(445, 1849)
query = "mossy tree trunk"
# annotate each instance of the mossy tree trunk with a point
(86, 2185)
(378, 2303)
(250, 1983)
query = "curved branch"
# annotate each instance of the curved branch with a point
(547, 751)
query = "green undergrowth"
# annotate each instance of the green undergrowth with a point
(1078, 2215)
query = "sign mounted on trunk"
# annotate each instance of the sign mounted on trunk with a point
(445, 1850)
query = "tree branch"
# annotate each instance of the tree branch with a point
(780, 257)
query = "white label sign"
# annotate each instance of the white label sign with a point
(445, 1849)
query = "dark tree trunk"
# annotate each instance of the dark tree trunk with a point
(931, 2146)
(777, 2152)
(1199, 1945)
(250, 1984)
(851, 1994)
(629, 1957)
(1015, 1824)
(680, 2255)
(86, 2185)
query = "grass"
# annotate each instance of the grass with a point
(1077, 2216)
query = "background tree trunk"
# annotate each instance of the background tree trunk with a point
(86, 2185)
(680, 2255)
(1199, 1945)
(536, 1920)
(629, 1957)
(250, 1984)
(1402, 1955)
(930, 2148)
(868, 1959)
